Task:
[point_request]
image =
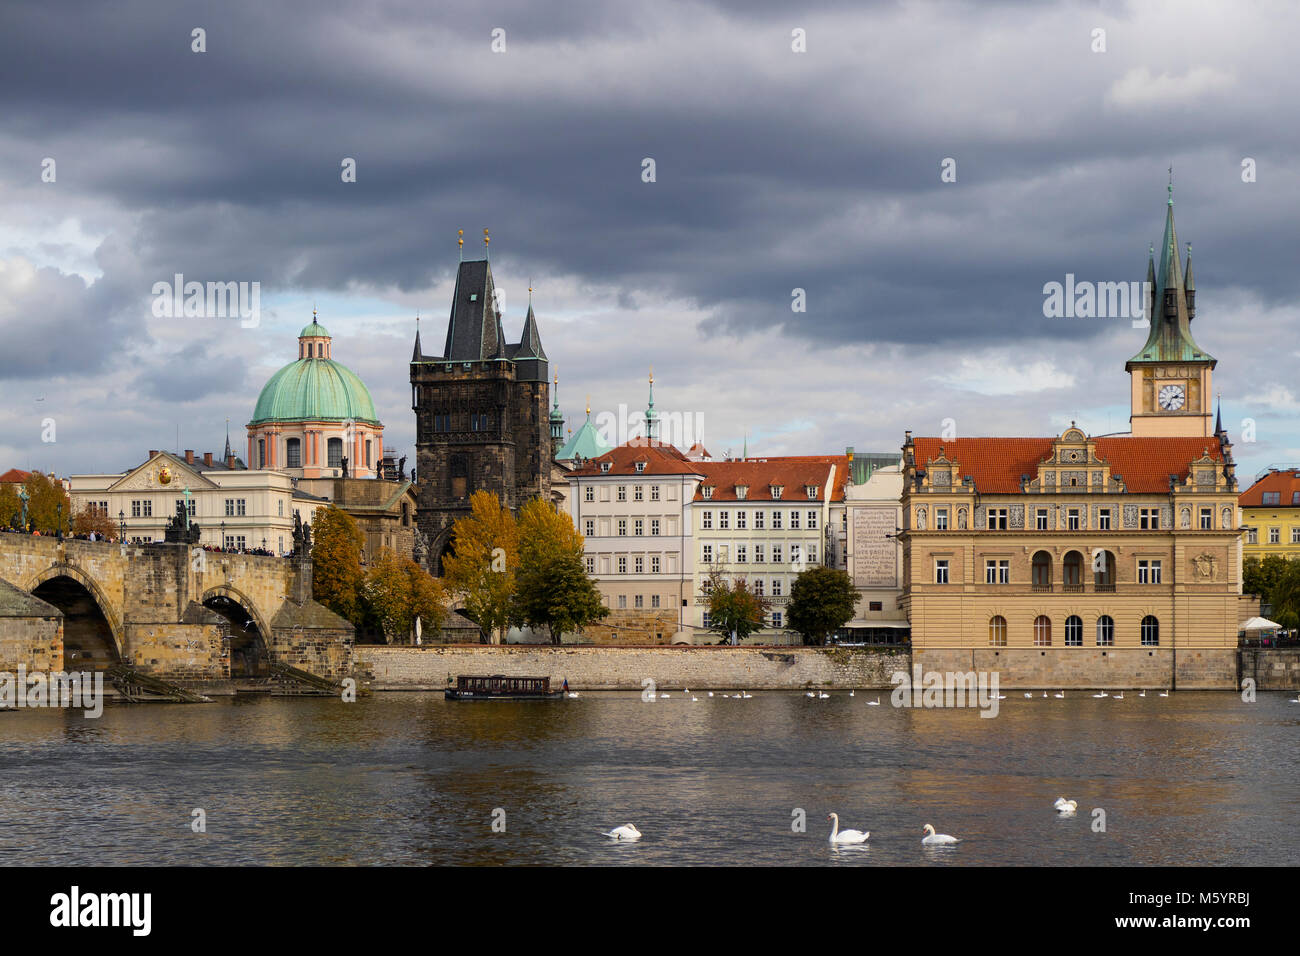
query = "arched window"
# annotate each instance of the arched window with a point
(1105, 631)
(1150, 631)
(309, 350)
(1074, 631)
(368, 462)
(1042, 631)
(998, 631)
(293, 453)
(1103, 571)
(261, 453)
(334, 449)
(1042, 569)
(1072, 571)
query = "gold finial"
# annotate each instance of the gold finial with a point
(652, 374)
(557, 378)
(486, 237)
(461, 234)
(588, 406)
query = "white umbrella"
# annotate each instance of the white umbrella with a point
(1260, 624)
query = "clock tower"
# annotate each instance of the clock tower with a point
(1171, 374)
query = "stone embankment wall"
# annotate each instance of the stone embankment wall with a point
(624, 668)
(1273, 668)
(1083, 668)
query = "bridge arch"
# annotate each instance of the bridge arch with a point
(79, 576)
(214, 597)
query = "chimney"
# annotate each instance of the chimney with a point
(189, 456)
(230, 461)
(207, 458)
(152, 452)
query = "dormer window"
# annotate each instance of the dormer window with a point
(604, 467)
(741, 492)
(777, 491)
(640, 467)
(812, 492)
(707, 490)
(473, 296)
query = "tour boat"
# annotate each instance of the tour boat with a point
(500, 687)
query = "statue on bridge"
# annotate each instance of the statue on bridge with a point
(180, 530)
(344, 462)
(401, 468)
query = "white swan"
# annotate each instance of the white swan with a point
(936, 839)
(746, 695)
(1296, 701)
(1030, 696)
(1119, 696)
(627, 832)
(710, 693)
(874, 703)
(810, 694)
(1102, 694)
(1060, 695)
(664, 696)
(572, 694)
(694, 698)
(1065, 807)
(999, 696)
(848, 836)
(1044, 695)
(1142, 694)
(823, 696)
(1164, 693)
(686, 690)
(851, 693)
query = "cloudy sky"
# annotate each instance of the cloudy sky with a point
(774, 170)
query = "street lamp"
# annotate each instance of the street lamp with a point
(263, 544)
(223, 536)
(121, 523)
(58, 531)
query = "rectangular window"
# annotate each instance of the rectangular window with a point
(135, 507)
(1274, 535)
(591, 564)
(758, 554)
(279, 508)
(812, 521)
(1207, 519)
(741, 554)
(940, 519)
(776, 554)
(776, 619)
(794, 520)
(812, 554)
(638, 564)
(1272, 498)
(758, 586)
(1149, 519)
(1072, 519)
(239, 507)
(1148, 572)
(622, 492)
(638, 601)
(637, 493)
(622, 602)
(147, 505)
(875, 605)
(1252, 536)
(1295, 535)
(230, 507)
(997, 519)
(654, 526)
(740, 521)
(622, 527)
(758, 521)
(776, 587)
(724, 520)
(706, 520)
(654, 492)
(941, 571)
(1103, 519)
(654, 600)
(654, 564)
(589, 527)
(707, 554)
(776, 521)
(794, 554)
(997, 571)
(622, 564)
(704, 620)
(638, 527)
(589, 493)
(1040, 519)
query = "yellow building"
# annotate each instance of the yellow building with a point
(1080, 561)
(1270, 511)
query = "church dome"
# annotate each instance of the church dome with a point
(314, 388)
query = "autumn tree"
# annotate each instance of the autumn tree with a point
(483, 564)
(10, 506)
(90, 519)
(337, 576)
(552, 588)
(822, 600)
(733, 606)
(397, 591)
(43, 506)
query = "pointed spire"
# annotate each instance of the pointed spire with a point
(417, 355)
(226, 456)
(1218, 417)
(1172, 306)
(1188, 283)
(651, 416)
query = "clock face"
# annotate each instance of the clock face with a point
(1172, 398)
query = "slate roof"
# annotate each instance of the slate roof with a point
(1170, 339)
(1284, 481)
(1144, 464)
(474, 328)
(791, 473)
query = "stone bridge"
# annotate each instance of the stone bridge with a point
(171, 610)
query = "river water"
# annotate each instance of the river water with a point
(411, 779)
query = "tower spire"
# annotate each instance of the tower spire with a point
(651, 416)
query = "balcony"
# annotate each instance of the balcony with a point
(1041, 588)
(1072, 588)
(1104, 588)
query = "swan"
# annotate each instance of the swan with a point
(874, 703)
(1119, 696)
(686, 690)
(848, 836)
(999, 696)
(1065, 807)
(936, 839)
(823, 696)
(851, 693)
(1143, 694)
(572, 694)
(1296, 701)
(1059, 802)
(664, 696)
(1044, 695)
(1102, 694)
(1029, 696)
(694, 698)
(1164, 693)
(710, 693)
(810, 694)
(1060, 695)
(746, 695)
(627, 832)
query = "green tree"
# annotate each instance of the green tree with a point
(552, 588)
(397, 591)
(484, 563)
(733, 606)
(1285, 596)
(43, 508)
(337, 576)
(10, 506)
(821, 601)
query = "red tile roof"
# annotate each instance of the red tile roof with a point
(660, 458)
(1144, 464)
(792, 473)
(1284, 482)
(14, 476)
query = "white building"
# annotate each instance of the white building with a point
(874, 556)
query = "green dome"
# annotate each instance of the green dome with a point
(313, 328)
(314, 389)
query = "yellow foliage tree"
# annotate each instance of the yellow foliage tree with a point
(398, 591)
(336, 562)
(483, 564)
